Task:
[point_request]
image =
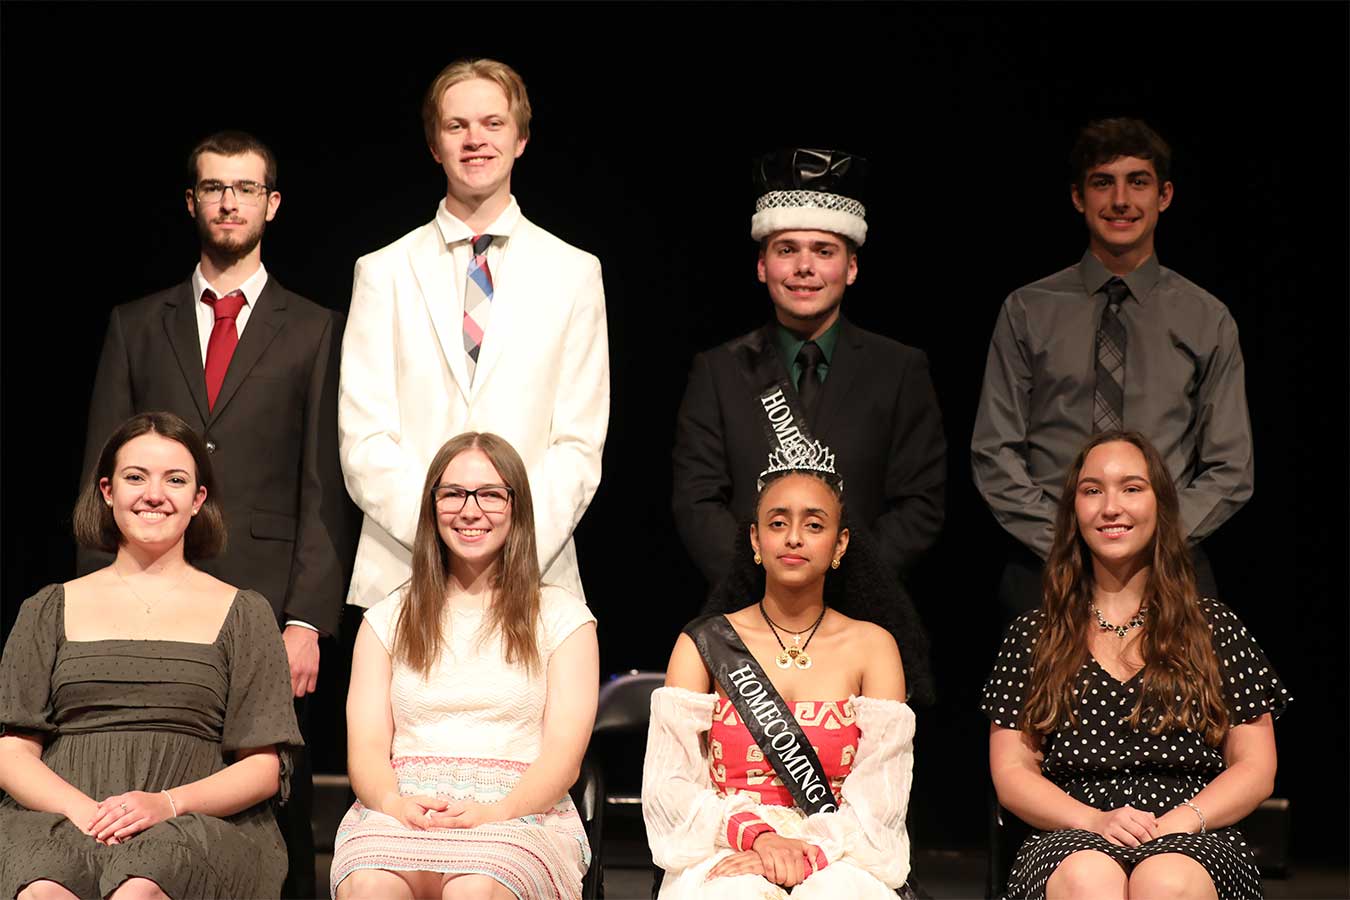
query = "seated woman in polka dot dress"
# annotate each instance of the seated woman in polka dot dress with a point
(1131, 719)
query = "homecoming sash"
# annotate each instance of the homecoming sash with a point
(764, 712)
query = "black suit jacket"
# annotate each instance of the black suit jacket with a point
(878, 412)
(272, 437)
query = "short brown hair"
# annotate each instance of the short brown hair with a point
(1107, 139)
(499, 73)
(95, 527)
(233, 143)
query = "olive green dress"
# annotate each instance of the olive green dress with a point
(123, 715)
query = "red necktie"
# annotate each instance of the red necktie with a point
(224, 338)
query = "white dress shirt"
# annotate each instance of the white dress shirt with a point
(459, 238)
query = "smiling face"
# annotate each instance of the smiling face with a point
(797, 530)
(471, 533)
(477, 143)
(153, 491)
(1121, 201)
(806, 273)
(231, 228)
(1114, 502)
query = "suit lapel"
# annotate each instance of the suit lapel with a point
(180, 325)
(266, 319)
(442, 298)
(844, 368)
(760, 362)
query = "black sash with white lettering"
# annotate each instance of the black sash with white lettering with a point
(784, 421)
(764, 712)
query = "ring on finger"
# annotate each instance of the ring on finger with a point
(124, 806)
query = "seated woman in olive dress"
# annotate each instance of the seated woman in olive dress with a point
(145, 708)
(805, 790)
(471, 702)
(1132, 719)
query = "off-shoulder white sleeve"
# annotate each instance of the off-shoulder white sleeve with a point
(686, 817)
(869, 828)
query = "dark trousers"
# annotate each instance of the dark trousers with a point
(1019, 589)
(294, 819)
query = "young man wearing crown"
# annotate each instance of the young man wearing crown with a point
(1113, 342)
(868, 397)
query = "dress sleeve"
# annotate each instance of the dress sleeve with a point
(686, 817)
(259, 711)
(869, 828)
(1251, 687)
(1005, 689)
(560, 613)
(26, 668)
(382, 617)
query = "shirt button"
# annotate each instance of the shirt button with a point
(210, 446)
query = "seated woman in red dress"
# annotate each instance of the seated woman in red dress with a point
(780, 754)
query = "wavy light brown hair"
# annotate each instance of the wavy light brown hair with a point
(1181, 684)
(499, 73)
(419, 636)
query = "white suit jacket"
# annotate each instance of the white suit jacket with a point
(542, 382)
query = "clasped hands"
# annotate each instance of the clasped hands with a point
(420, 812)
(121, 815)
(1126, 826)
(782, 860)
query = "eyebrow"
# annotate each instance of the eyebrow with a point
(455, 484)
(810, 511)
(1088, 479)
(147, 471)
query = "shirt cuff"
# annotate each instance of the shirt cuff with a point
(743, 828)
(290, 622)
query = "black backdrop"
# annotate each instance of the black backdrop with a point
(646, 117)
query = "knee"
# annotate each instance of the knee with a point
(44, 890)
(138, 889)
(1171, 875)
(1087, 873)
(371, 884)
(474, 887)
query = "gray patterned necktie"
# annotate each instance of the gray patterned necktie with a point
(1108, 407)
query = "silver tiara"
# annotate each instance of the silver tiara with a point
(811, 457)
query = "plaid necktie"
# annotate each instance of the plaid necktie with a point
(224, 338)
(477, 300)
(1108, 407)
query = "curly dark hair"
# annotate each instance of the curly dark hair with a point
(861, 588)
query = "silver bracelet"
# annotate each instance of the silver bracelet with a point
(1198, 814)
(174, 806)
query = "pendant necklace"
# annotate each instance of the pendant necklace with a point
(795, 655)
(1121, 630)
(150, 606)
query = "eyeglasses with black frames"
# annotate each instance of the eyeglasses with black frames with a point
(491, 498)
(247, 193)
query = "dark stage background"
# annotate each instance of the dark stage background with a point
(646, 117)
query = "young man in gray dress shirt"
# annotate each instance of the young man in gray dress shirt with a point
(1172, 371)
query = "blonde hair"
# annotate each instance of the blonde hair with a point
(499, 73)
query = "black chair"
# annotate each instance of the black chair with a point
(588, 794)
(1006, 834)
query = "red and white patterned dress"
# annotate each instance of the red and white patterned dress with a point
(707, 792)
(470, 730)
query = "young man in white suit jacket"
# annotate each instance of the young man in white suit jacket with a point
(540, 378)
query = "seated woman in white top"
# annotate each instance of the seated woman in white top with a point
(472, 697)
(780, 751)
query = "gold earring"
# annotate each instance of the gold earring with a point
(758, 559)
(834, 563)
(197, 510)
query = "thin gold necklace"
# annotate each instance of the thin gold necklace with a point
(187, 570)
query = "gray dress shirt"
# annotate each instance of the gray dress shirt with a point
(1184, 391)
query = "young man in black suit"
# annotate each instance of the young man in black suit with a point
(868, 397)
(254, 368)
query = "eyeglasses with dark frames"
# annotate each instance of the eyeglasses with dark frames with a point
(491, 498)
(249, 193)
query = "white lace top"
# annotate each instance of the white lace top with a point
(474, 704)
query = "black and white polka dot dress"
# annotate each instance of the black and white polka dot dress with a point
(1105, 763)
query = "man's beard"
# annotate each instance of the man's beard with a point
(229, 248)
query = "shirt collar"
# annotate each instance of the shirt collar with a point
(453, 231)
(251, 288)
(790, 344)
(1140, 281)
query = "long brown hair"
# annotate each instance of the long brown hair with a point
(1181, 684)
(419, 634)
